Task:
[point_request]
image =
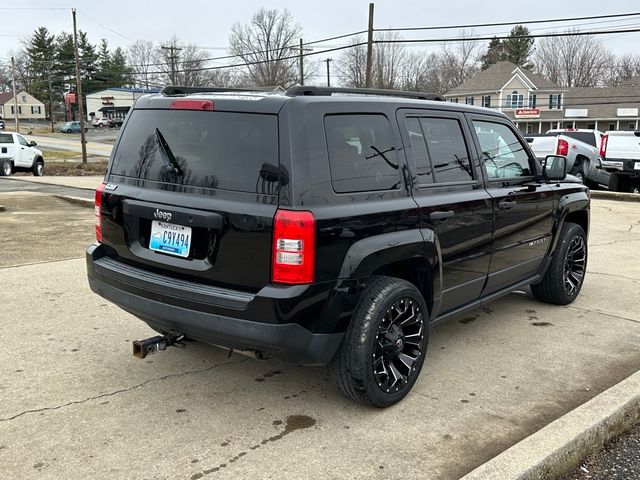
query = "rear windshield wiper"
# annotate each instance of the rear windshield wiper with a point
(167, 151)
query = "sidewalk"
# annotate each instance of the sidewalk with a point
(87, 183)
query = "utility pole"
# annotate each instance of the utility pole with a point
(327, 61)
(172, 58)
(50, 99)
(301, 63)
(83, 140)
(367, 78)
(15, 95)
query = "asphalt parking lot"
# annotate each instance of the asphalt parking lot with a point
(74, 403)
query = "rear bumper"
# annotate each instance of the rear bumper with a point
(206, 313)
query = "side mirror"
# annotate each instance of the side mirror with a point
(32, 143)
(554, 168)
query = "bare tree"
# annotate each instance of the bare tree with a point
(353, 64)
(394, 66)
(265, 46)
(624, 68)
(460, 60)
(179, 63)
(140, 55)
(227, 77)
(573, 60)
(387, 63)
(5, 77)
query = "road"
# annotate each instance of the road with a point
(96, 142)
(37, 184)
(74, 403)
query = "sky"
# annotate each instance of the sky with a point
(207, 23)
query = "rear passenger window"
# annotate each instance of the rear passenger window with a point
(419, 151)
(362, 153)
(447, 150)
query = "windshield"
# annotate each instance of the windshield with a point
(223, 150)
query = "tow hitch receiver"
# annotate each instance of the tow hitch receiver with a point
(142, 348)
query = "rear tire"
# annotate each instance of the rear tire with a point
(382, 353)
(6, 168)
(563, 279)
(38, 168)
(618, 183)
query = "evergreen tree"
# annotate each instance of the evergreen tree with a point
(518, 48)
(495, 53)
(89, 64)
(40, 57)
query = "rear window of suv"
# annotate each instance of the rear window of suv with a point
(362, 155)
(224, 150)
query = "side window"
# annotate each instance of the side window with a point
(503, 154)
(22, 141)
(419, 151)
(362, 153)
(447, 150)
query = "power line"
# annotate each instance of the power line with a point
(502, 24)
(106, 28)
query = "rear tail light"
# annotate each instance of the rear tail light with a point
(603, 145)
(98, 211)
(563, 148)
(294, 247)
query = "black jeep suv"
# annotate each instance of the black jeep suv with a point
(329, 226)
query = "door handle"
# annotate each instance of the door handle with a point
(507, 204)
(441, 215)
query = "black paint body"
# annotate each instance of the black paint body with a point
(454, 241)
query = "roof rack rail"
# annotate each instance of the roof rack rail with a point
(181, 90)
(300, 91)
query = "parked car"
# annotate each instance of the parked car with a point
(116, 122)
(583, 159)
(72, 127)
(19, 155)
(100, 122)
(620, 153)
(591, 137)
(328, 228)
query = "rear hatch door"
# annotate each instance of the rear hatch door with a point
(192, 194)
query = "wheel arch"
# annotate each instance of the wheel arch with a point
(412, 255)
(573, 208)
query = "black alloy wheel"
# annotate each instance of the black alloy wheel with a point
(398, 345)
(575, 264)
(384, 348)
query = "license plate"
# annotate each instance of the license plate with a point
(170, 238)
(636, 166)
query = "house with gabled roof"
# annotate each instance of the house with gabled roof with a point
(534, 103)
(29, 107)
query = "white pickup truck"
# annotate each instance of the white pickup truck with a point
(620, 152)
(582, 153)
(19, 155)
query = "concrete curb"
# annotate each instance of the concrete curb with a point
(83, 202)
(625, 197)
(558, 448)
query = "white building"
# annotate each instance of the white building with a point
(113, 102)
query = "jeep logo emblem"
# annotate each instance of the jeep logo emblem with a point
(160, 215)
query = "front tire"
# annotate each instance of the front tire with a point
(563, 279)
(382, 353)
(6, 168)
(38, 168)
